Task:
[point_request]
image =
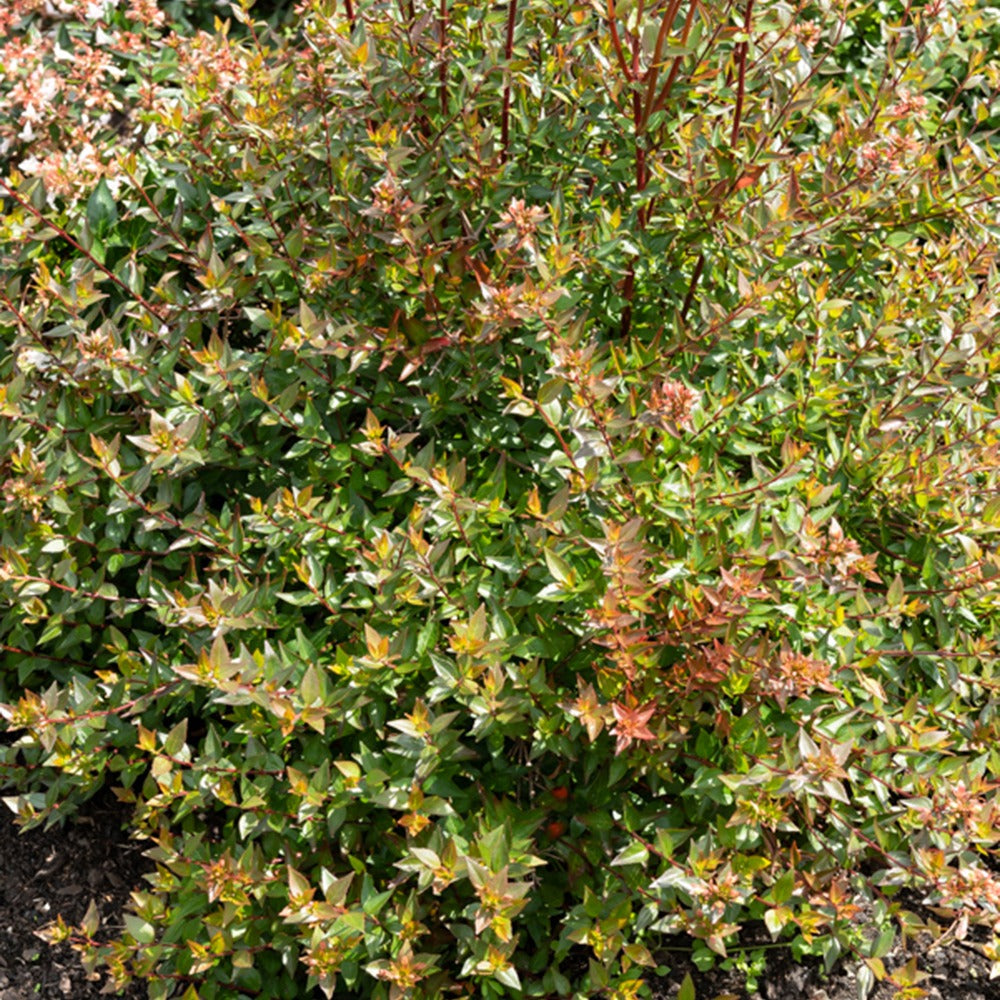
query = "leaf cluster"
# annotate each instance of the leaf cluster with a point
(499, 491)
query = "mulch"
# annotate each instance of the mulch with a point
(45, 873)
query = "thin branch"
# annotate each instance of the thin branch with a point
(616, 41)
(695, 278)
(742, 49)
(508, 55)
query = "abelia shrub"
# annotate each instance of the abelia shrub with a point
(498, 492)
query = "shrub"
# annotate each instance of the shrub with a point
(491, 486)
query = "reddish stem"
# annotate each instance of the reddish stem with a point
(616, 41)
(508, 55)
(743, 48)
(443, 65)
(628, 291)
(695, 278)
(661, 100)
(654, 69)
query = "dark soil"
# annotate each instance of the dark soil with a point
(59, 871)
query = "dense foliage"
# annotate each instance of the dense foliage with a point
(500, 490)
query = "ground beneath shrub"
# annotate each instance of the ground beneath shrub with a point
(59, 871)
(957, 971)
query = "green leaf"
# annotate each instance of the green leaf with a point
(141, 930)
(159, 989)
(639, 954)
(775, 919)
(634, 854)
(686, 992)
(175, 739)
(102, 211)
(428, 858)
(551, 390)
(311, 687)
(558, 567)
(91, 919)
(783, 888)
(508, 976)
(894, 595)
